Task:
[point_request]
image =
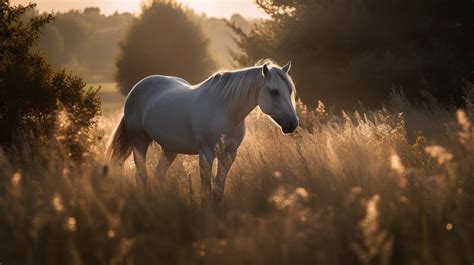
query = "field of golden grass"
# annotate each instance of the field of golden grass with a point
(392, 186)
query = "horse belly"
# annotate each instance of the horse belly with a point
(178, 143)
(171, 129)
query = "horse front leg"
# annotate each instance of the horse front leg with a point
(225, 161)
(206, 157)
(164, 163)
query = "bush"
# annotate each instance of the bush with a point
(163, 40)
(32, 94)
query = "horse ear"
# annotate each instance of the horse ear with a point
(287, 67)
(265, 70)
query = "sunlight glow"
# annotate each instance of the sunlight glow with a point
(212, 8)
(106, 6)
(225, 8)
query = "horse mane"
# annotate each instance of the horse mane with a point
(236, 85)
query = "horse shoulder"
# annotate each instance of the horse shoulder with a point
(237, 135)
(210, 124)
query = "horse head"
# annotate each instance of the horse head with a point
(277, 97)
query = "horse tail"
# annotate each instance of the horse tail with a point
(119, 147)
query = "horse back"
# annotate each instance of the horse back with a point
(143, 95)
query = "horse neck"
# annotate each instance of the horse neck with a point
(240, 107)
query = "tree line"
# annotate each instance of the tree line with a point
(88, 42)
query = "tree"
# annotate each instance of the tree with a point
(31, 92)
(348, 51)
(163, 40)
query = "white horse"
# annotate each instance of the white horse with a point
(193, 119)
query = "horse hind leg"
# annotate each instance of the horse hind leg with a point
(164, 163)
(140, 148)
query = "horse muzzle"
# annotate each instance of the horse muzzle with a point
(290, 126)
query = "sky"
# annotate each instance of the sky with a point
(212, 8)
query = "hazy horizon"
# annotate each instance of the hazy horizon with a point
(212, 8)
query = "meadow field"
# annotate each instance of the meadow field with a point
(391, 186)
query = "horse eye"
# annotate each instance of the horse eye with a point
(274, 92)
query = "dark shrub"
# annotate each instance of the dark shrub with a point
(32, 94)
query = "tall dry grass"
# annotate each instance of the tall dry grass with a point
(393, 186)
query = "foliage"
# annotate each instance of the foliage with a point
(354, 190)
(164, 40)
(348, 51)
(32, 93)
